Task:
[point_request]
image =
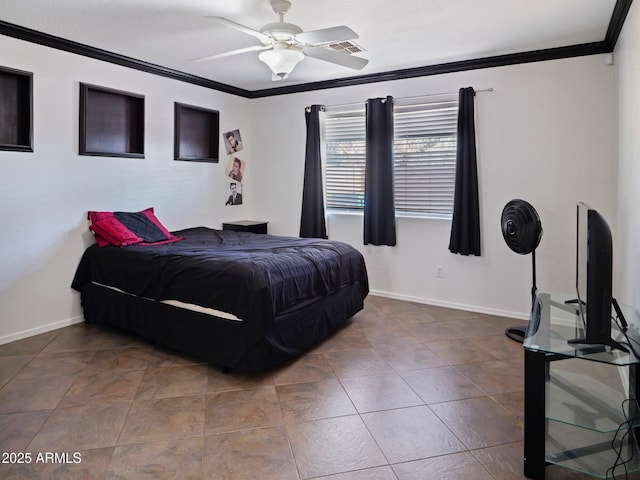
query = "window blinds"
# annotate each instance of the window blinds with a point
(424, 151)
(425, 157)
(344, 162)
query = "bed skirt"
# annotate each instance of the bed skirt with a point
(221, 341)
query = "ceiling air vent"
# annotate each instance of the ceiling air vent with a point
(349, 47)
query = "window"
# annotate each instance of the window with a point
(424, 158)
(344, 137)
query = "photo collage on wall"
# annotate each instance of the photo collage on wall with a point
(235, 168)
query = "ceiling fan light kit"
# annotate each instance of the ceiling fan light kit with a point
(281, 60)
(284, 45)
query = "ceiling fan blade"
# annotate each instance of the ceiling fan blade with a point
(327, 35)
(263, 37)
(255, 48)
(339, 58)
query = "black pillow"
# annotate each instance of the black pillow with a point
(140, 224)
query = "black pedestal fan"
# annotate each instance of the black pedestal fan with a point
(522, 230)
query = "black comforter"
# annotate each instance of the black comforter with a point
(247, 275)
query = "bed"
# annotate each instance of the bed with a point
(240, 300)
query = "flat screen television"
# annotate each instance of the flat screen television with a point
(594, 275)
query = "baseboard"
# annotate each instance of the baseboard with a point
(408, 298)
(458, 306)
(42, 329)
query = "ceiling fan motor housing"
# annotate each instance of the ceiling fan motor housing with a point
(281, 31)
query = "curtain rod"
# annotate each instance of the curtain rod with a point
(361, 104)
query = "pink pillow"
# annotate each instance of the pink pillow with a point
(109, 231)
(97, 217)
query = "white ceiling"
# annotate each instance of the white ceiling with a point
(395, 34)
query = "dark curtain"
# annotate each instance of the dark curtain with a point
(312, 219)
(465, 227)
(379, 210)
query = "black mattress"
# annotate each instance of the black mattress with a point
(287, 292)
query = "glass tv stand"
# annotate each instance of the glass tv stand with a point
(580, 412)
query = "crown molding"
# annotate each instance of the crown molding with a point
(33, 36)
(618, 17)
(442, 68)
(607, 45)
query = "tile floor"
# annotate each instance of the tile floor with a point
(404, 392)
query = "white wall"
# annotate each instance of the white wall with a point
(627, 59)
(44, 196)
(547, 134)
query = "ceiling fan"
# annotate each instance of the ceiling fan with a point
(284, 44)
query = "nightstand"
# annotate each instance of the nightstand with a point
(246, 226)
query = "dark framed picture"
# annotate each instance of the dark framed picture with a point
(196, 134)
(111, 122)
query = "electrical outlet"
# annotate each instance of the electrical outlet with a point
(440, 271)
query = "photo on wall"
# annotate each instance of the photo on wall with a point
(234, 193)
(232, 141)
(235, 168)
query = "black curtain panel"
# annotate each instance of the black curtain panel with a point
(465, 226)
(312, 219)
(379, 210)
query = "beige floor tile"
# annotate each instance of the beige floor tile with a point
(346, 339)
(236, 380)
(10, 365)
(479, 422)
(375, 473)
(133, 358)
(371, 393)
(435, 332)
(355, 363)
(80, 428)
(301, 402)
(333, 445)
(162, 382)
(414, 356)
(55, 365)
(411, 434)
(496, 345)
(17, 429)
(476, 327)
(262, 453)
(501, 376)
(513, 402)
(102, 388)
(33, 393)
(164, 460)
(457, 352)
(441, 384)
(308, 368)
(242, 409)
(31, 345)
(164, 418)
(456, 466)
(83, 337)
(388, 334)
